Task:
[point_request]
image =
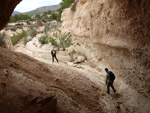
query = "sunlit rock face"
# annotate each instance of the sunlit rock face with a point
(118, 33)
(6, 9)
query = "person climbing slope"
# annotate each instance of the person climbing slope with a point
(110, 77)
(53, 53)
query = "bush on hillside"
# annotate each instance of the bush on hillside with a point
(25, 41)
(65, 41)
(44, 15)
(43, 40)
(74, 7)
(32, 33)
(54, 16)
(15, 38)
(49, 12)
(37, 16)
(53, 42)
(66, 3)
(2, 42)
(62, 42)
(59, 13)
(19, 17)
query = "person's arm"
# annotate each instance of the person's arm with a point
(51, 53)
(106, 79)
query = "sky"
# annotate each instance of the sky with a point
(28, 5)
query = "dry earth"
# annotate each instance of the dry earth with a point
(79, 87)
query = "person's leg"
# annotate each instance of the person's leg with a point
(113, 87)
(108, 88)
(52, 58)
(56, 58)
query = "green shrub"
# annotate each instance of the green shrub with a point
(2, 42)
(32, 32)
(65, 41)
(59, 13)
(18, 17)
(49, 12)
(37, 16)
(25, 41)
(45, 15)
(74, 7)
(47, 28)
(66, 3)
(53, 42)
(15, 38)
(43, 40)
(54, 16)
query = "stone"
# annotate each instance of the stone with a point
(79, 59)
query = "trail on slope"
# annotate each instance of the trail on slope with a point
(121, 102)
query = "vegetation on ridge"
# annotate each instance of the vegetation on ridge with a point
(19, 17)
(2, 42)
(15, 38)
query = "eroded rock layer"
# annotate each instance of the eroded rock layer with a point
(118, 34)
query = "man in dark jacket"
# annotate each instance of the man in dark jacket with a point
(53, 53)
(110, 77)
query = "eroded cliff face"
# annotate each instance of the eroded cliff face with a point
(117, 33)
(6, 9)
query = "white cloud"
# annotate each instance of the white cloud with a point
(27, 5)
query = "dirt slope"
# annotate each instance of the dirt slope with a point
(31, 86)
(126, 100)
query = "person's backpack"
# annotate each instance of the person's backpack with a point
(112, 76)
(53, 52)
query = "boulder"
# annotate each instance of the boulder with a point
(79, 59)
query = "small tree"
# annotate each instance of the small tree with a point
(54, 16)
(19, 17)
(43, 40)
(15, 38)
(49, 12)
(66, 3)
(37, 16)
(32, 32)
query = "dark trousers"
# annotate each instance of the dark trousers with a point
(54, 56)
(110, 84)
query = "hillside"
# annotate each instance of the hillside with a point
(16, 12)
(45, 87)
(43, 9)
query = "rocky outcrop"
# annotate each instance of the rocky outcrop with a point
(118, 34)
(6, 9)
